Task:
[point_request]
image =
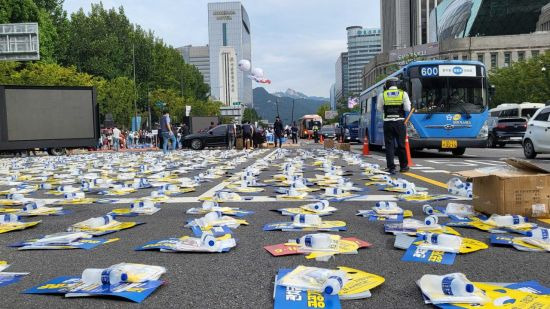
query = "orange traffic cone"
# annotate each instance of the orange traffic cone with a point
(322, 139)
(366, 146)
(408, 150)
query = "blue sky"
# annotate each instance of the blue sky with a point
(296, 42)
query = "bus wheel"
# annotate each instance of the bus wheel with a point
(56, 151)
(459, 151)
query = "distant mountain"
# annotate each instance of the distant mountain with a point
(293, 94)
(266, 106)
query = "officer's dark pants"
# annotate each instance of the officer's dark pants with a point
(394, 132)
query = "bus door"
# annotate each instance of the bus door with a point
(372, 129)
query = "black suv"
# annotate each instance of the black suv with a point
(504, 131)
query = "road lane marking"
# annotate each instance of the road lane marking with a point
(417, 167)
(426, 179)
(485, 162)
(436, 171)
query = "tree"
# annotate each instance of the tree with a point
(322, 109)
(251, 115)
(523, 81)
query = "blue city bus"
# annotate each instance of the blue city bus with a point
(349, 126)
(450, 98)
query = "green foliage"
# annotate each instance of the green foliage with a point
(97, 49)
(251, 115)
(523, 81)
(322, 109)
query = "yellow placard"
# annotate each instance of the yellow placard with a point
(359, 282)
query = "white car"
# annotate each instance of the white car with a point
(537, 137)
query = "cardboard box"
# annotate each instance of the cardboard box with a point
(518, 189)
(328, 143)
(344, 146)
(239, 144)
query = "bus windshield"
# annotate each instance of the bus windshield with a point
(352, 120)
(449, 95)
(309, 123)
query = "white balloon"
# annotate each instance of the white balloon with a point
(257, 72)
(244, 65)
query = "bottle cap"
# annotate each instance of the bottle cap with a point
(123, 277)
(469, 288)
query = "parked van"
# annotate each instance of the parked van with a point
(507, 110)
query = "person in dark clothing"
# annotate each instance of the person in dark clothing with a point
(294, 131)
(248, 132)
(212, 125)
(279, 131)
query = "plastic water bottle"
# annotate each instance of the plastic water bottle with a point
(430, 220)
(46, 186)
(428, 209)
(315, 241)
(99, 221)
(444, 240)
(209, 240)
(322, 204)
(212, 216)
(74, 195)
(142, 204)
(307, 219)
(65, 188)
(509, 220)
(454, 286)
(7, 218)
(210, 204)
(386, 205)
(540, 233)
(333, 285)
(107, 276)
(30, 206)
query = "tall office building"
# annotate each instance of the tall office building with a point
(363, 45)
(341, 84)
(396, 24)
(199, 57)
(405, 23)
(229, 42)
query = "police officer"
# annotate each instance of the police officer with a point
(396, 105)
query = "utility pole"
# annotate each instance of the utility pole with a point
(277, 104)
(135, 85)
(292, 111)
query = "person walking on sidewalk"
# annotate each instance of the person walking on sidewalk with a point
(396, 105)
(294, 131)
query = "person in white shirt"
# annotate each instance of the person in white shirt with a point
(116, 138)
(396, 105)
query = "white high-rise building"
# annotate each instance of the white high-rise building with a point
(229, 42)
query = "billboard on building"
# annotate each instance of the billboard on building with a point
(19, 42)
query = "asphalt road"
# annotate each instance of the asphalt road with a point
(243, 277)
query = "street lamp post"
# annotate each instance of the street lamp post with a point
(292, 111)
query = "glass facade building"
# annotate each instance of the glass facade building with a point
(197, 56)
(229, 42)
(363, 45)
(454, 19)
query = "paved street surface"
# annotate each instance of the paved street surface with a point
(243, 277)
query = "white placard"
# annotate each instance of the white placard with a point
(457, 70)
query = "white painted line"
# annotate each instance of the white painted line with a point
(485, 162)
(417, 167)
(436, 171)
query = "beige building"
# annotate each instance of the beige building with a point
(493, 51)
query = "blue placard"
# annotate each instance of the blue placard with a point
(291, 298)
(62, 285)
(432, 71)
(7, 279)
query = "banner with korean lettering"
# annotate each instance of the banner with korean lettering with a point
(291, 298)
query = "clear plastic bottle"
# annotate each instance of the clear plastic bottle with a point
(7, 218)
(315, 241)
(430, 220)
(107, 276)
(385, 204)
(209, 240)
(30, 206)
(540, 233)
(509, 220)
(428, 209)
(99, 221)
(307, 219)
(320, 205)
(443, 240)
(74, 195)
(455, 286)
